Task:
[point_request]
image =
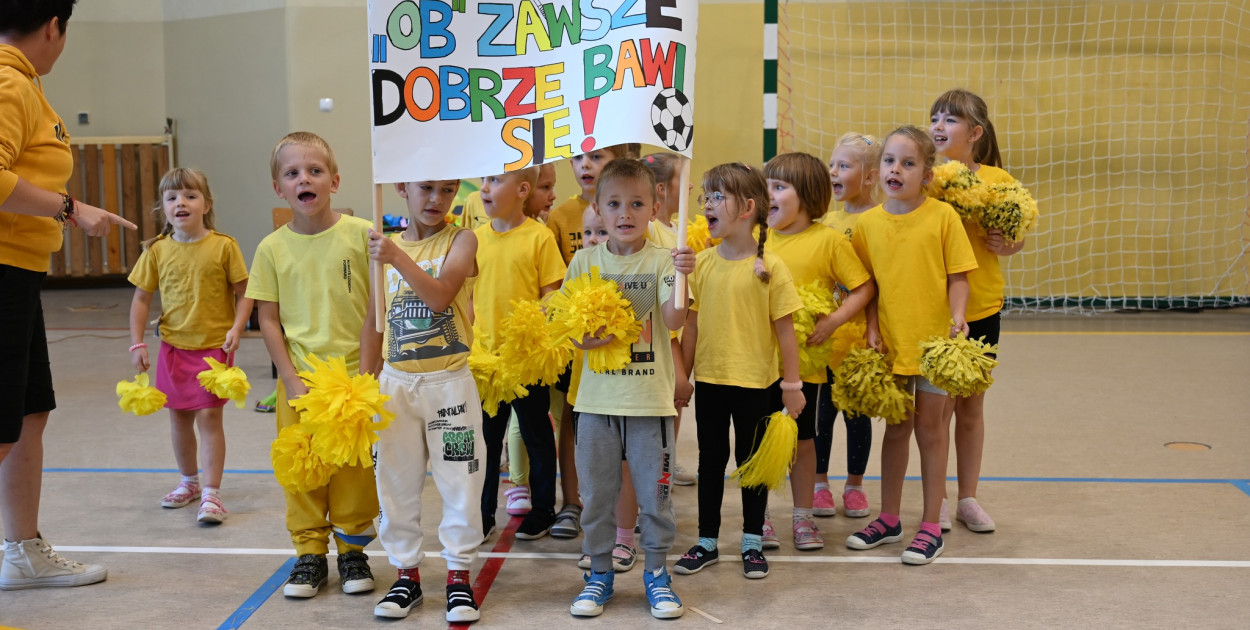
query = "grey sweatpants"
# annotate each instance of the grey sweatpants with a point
(647, 443)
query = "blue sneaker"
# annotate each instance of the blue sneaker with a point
(664, 603)
(597, 593)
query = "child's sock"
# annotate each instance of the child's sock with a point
(752, 542)
(849, 488)
(625, 536)
(822, 485)
(889, 519)
(195, 479)
(208, 491)
(802, 514)
(932, 529)
(708, 544)
(457, 577)
(413, 574)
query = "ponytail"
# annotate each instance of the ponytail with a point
(761, 220)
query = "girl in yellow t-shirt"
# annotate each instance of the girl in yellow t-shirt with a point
(961, 130)
(918, 253)
(853, 174)
(202, 279)
(798, 194)
(743, 301)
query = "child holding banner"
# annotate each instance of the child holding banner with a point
(517, 258)
(628, 413)
(430, 270)
(309, 280)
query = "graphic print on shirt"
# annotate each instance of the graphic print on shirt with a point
(417, 332)
(640, 290)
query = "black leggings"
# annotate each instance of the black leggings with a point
(540, 445)
(717, 405)
(858, 436)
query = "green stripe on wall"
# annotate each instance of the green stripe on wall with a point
(770, 76)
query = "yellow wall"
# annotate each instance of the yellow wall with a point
(1127, 120)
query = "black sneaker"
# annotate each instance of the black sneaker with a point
(307, 576)
(568, 522)
(354, 572)
(924, 548)
(535, 525)
(403, 596)
(754, 566)
(461, 606)
(877, 533)
(695, 560)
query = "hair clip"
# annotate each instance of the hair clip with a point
(866, 140)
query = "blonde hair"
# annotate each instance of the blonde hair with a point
(972, 108)
(181, 179)
(866, 149)
(303, 139)
(742, 181)
(808, 175)
(627, 169)
(527, 174)
(923, 141)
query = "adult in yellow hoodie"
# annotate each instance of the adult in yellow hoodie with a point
(35, 164)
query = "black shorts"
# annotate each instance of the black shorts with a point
(988, 328)
(25, 373)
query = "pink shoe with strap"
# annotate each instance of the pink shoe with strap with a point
(211, 510)
(183, 495)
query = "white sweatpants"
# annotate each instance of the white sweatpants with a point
(438, 421)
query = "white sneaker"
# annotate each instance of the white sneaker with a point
(683, 477)
(35, 564)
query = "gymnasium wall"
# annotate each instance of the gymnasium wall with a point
(237, 75)
(1128, 120)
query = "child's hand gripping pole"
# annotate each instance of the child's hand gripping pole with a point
(376, 269)
(683, 210)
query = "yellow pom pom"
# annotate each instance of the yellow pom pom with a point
(1010, 208)
(698, 237)
(343, 412)
(954, 183)
(847, 337)
(295, 464)
(497, 382)
(771, 462)
(137, 397)
(527, 345)
(865, 385)
(818, 301)
(225, 382)
(591, 305)
(960, 367)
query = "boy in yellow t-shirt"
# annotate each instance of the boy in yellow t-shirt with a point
(629, 413)
(311, 283)
(517, 258)
(430, 270)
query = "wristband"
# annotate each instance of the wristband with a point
(791, 386)
(137, 346)
(68, 209)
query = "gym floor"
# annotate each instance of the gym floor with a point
(1104, 520)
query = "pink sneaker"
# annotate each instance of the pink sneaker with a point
(822, 503)
(807, 537)
(518, 498)
(944, 517)
(183, 495)
(972, 515)
(769, 536)
(855, 503)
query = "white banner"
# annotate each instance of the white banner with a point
(466, 89)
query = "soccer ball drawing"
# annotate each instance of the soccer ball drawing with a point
(672, 117)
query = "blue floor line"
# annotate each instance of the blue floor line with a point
(258, 599)
(1242, 484)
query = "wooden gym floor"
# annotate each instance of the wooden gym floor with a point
(1100, 522)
